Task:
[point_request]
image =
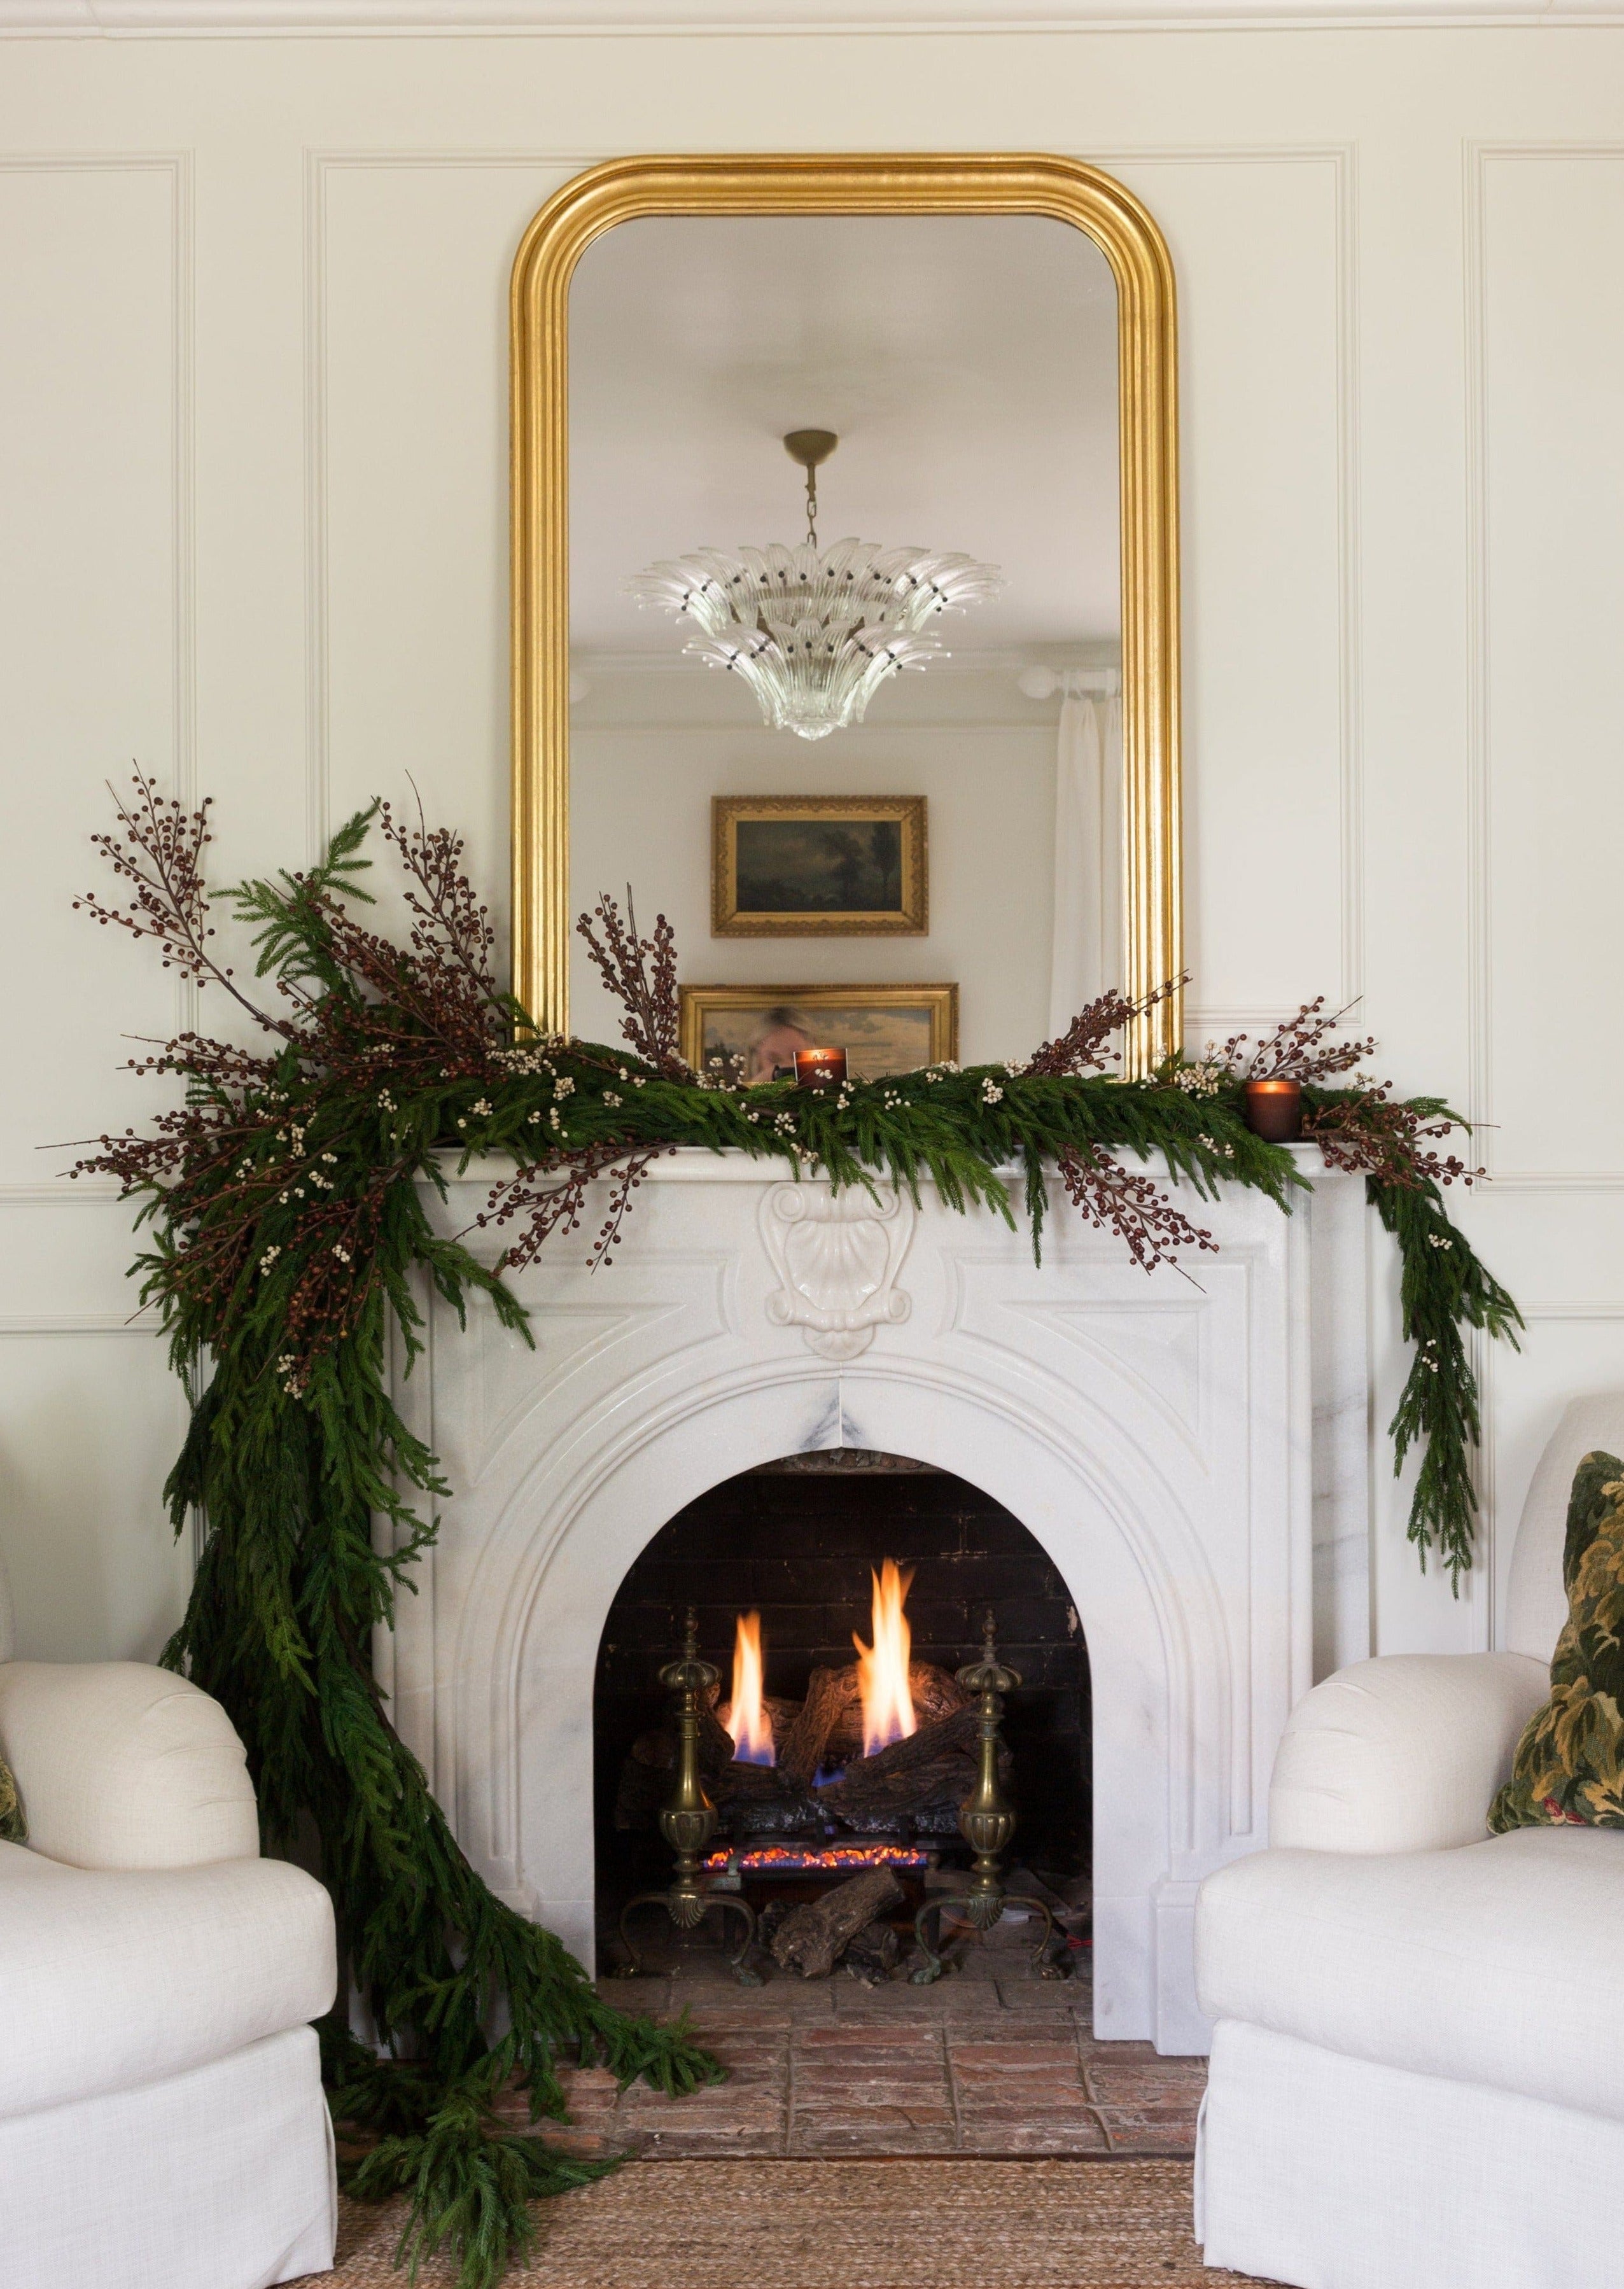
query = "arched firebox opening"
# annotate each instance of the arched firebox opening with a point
(797, 1551)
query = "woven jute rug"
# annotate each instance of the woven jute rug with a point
(916, 2223)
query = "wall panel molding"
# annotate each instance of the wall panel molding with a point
(175, 772)
(767, 19)
(1478, 157)
(97, 1192)
(320, 167)
(1602, 1311)
(1557, 1180)
(78, 1323)
(177, 166)
(1343, 160)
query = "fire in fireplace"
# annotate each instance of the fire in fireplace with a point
(882, 1673)
(746, 1718)
(843, 1740)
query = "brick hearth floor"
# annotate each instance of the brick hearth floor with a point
(988, 2062)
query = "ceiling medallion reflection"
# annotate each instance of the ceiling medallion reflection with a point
(815, 634)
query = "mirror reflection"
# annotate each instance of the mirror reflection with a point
(845, 613)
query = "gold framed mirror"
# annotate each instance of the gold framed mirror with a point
(1060, 190)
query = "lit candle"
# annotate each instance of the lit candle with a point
(819, 1068)
(1274, 1108)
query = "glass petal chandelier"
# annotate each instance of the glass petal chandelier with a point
(814, 633)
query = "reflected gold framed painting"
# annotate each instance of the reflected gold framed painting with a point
(746, 1033)
(819, 867)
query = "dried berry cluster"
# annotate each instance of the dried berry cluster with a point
(1081, 1048)
(277, 1167)
(1146, 1220)
(642, 975)
(1364, 1129)
(1303, 1049)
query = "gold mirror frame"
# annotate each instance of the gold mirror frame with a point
(627, 190)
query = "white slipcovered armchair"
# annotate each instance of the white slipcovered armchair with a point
(1417, 2076)
(162, 2121)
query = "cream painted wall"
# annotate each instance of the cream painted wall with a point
(252, 452)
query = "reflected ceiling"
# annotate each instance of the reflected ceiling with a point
(969, 363)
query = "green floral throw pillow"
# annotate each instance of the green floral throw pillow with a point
(1570, 1761)
(13, 1827)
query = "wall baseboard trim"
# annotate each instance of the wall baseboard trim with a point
(651, 19)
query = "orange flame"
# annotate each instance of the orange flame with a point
(882, 1668)
(748, 1719)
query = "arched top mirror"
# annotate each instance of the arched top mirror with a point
(845, 596)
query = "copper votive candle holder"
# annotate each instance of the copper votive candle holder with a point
(819, 1068)
(1274, 1110)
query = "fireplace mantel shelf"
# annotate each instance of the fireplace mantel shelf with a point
(697, 1164)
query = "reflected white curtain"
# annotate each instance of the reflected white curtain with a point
(1086, 958)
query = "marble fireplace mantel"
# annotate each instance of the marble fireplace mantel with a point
(1189, 1452)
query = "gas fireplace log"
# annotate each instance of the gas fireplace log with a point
(811, 1938)
(736, 1784)
(715, 1741)
(935, 1766)
(781, 1714)
(800, 1751)
(646, 1779)
(951, 1735)
(864, 1798)
(873, 1954)
(715, 1744)
(935, 1695)
(828, 1727)
(932, 1766)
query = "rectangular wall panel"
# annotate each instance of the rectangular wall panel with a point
(1551, 478)
(1265, 383)
(90, 1423)
(95, 666)
(92, 653)
(410, 397)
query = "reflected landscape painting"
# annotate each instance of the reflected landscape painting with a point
(818, 866)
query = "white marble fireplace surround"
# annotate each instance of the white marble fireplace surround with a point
(1191, 1456)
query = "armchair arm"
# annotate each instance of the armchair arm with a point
(1402, 1754)
(121, 1766)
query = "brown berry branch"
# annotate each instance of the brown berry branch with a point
(1122, 1201)
(160, 856)
(1373, 1134)
(642, 974)
(552, 1208)
(1302, 1048)
(1081, 1048)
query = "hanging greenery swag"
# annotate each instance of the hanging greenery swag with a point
(285, 1196)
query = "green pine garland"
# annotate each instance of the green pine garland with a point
(286, 1202)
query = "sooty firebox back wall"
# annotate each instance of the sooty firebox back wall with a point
(797, 1539)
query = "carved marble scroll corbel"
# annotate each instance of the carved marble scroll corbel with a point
(837, 1256)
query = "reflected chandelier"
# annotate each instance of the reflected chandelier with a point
(814, 634)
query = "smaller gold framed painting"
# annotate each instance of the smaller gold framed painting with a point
(818, 866)
(746, 1033)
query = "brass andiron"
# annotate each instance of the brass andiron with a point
(987, 1822)
(687, 1821)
